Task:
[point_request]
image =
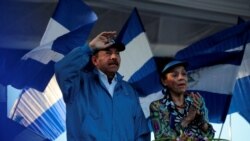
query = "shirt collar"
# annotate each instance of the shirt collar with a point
(103, 76)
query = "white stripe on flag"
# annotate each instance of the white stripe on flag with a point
(137, 53)
(245, 67)
(212, 78)
(43, 54)
(53, 30)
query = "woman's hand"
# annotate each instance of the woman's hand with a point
(193, 110)
(197, 100)
(190, 116)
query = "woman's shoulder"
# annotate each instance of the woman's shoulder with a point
(157, 103)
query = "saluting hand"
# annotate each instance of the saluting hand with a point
(102, 40)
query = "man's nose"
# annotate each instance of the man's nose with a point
(114, 55)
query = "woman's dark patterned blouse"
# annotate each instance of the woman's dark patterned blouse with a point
(166, 120)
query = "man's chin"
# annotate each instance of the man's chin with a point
(114, 70)
(113, 67)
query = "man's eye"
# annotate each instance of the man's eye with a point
(108, 52)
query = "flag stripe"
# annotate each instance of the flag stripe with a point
(50, 123)
(210, 59)
(201, 79)
(132, 28)
(216, 103)
(149, 83)
(65, 43)
(24, 73)
(70, 14)
(245, 68)
(138, 50)
(43, 54)
(53, 30)
(224, 40)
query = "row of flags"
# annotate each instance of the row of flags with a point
(39, 106)
(218, 69)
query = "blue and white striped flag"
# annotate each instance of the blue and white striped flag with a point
(138, 65)
(213, 65)
(40, 106)
(68, 28)
(241, 97)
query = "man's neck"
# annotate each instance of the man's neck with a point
(110, 76)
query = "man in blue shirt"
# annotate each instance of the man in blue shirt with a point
(100, 106)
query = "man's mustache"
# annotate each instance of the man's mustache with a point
(114, 62)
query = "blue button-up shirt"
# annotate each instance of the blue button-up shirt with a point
(109, 86)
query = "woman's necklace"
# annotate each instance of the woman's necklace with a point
(180, 106)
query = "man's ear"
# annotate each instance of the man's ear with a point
(93, 59)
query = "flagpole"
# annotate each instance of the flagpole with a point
(230, 127)
(221, 130)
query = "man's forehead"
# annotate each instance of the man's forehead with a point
(109, 49)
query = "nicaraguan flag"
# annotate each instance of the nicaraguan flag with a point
(138, 65)
(241, 97)
(40, 106)
(71, 17)
(213, 65)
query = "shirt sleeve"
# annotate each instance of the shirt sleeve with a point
(142, 131)
(67, 70)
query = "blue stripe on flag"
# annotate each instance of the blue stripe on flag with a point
(26, 72)
(210, 59)
(52, 122)
(8, 60)
(144, 78)
(41, 81)
(67, 42)
(70, 13)
(132, 28)
(241, 98)
(219, 42)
